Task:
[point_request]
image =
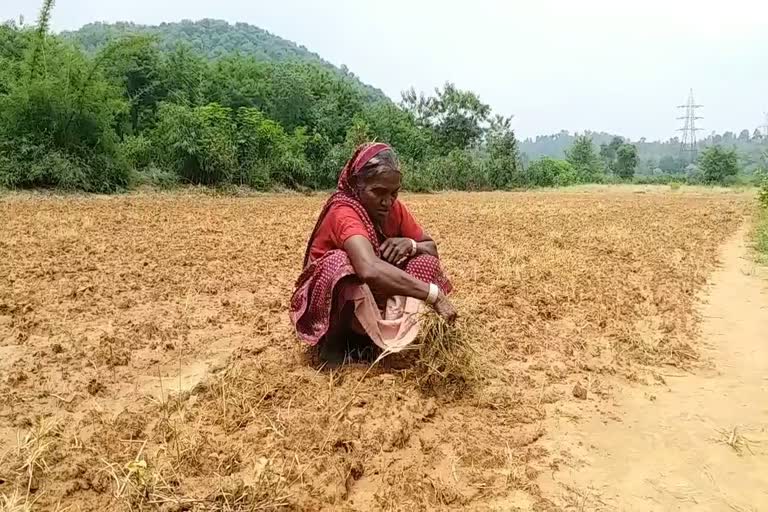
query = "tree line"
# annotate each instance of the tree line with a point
(131, 110)
(660, 158)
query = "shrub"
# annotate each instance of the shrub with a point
(659, 179)
(458, 170)
(156, 178)
(137, 151)
(56, 121)
(419, 177)
(197, 143)
(27, 165)
(326, 160)
(267, 153)
(718, 165)
(549, 172)
(761, 234)
(762, 194)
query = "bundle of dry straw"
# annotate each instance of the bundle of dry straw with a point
(446, 354)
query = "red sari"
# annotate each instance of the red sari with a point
(323, 284)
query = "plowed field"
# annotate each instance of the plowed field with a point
(147, 361)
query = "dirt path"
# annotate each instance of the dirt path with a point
(669, 449)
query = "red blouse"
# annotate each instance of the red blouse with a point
(342, 222)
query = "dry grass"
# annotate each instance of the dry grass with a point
(736, 440)
(760, 235)
(450, 362)
(27, 463)
(153, 331)
(16, 502)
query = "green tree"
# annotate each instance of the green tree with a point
(717, 164)
(744, 136)
(13, 46)
(267, 153)
(456, 116)
(236, 81)
(609, 152)
(291, 99)
(393, 125)
(135, 65)
(626, 161)
(672, 165)
(503, 164)
(581, 155)
(184, 73)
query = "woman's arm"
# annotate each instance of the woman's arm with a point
(379, 274)
(426, 246)
(389, 279)
(397, 250)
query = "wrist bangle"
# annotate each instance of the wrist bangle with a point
(434, 293)
(414, 247)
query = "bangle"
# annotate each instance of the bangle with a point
(434, 293)
(414, 247)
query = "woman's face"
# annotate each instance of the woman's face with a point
(378, 193)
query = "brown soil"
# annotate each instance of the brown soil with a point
(695, 441)
(147, 361)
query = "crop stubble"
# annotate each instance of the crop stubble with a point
(147, 361)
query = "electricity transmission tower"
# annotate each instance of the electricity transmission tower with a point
(688, 145)
(764, 127)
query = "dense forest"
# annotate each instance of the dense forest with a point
(212, 39)
(114, 106)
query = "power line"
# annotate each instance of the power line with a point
(688, 145)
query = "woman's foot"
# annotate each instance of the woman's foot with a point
(360, 348)
(347, 348)
(332, 353)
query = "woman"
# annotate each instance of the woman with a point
(369, 267)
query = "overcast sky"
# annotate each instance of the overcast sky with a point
(615, 66)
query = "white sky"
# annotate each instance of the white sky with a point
(615, 66)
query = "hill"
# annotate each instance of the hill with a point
(213, 39)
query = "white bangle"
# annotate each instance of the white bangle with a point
(434, 292)
(414, 247)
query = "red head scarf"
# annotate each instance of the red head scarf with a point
(346, 194)
(354, 165)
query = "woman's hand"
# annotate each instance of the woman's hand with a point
(397, 250)
(445, 309)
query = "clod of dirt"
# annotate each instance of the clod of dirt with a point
(95, 387)
(430, 409)
(113, 352)
(398, 433)
(130, 425)
(357, 470)
(56, 348)
(16, 377)
(580, 391)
